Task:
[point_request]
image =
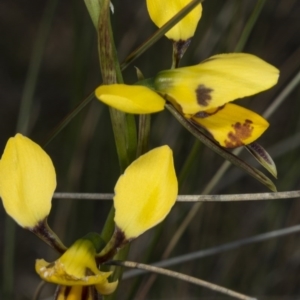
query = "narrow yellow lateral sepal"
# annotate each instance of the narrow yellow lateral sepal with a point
(233, 126)
(218, 80)
(146, 192)
(132, 99)
(162, 11)
(27, 181)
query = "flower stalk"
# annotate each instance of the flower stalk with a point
(43, 231)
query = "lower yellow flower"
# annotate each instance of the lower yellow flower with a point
(76, 268)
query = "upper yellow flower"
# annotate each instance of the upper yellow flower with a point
(162, 11)
(202, 92)
(146, 192)
(27, 181)
(76, 268)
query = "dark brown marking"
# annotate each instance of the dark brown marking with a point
(203, 94)
(179, 50)
(241, 132)
(205, 114)
(119, 241)
(43, 231)
(67, 291)
(89, 272)
(85, 293)
(259, 150)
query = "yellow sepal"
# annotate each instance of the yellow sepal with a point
(27, 181)
(132, 99)
(162, 11)
(216, 81)
(146, 192)
(232, 125)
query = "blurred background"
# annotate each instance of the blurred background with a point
(48, 55)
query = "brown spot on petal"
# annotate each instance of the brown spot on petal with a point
(240, 133)
(203, 94)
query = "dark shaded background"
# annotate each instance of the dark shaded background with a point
(85, 158)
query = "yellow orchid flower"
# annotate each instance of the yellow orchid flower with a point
(146, 192)
(76, 273)
(162, 11)
(200, 92)
(27, 181)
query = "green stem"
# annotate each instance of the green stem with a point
(124, 127)
(144, 132)
(34, 67)
(249, 26)
(68, 119)
(189, 162)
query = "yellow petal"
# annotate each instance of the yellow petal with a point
(218, 80)
(27, 181)
(162, 11)
(233, 126)
(132, 99)
(146, 192)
